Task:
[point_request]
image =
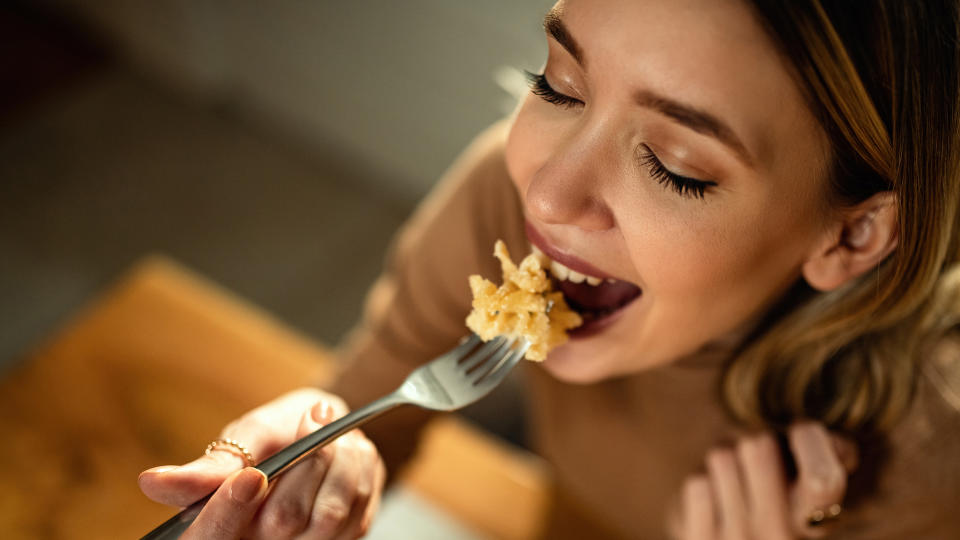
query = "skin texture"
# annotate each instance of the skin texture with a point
(708, 267)
(332, 494)
(743, 492)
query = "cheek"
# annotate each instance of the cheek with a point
(529, 144)
(719, 266)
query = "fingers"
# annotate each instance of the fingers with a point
(331, 494)
(342, 500)
(821, 475)
(379, 480)
(181, 486)
(287, 510)
(766, 487)
(263, 431)
(231, 508)
(723, 470)
(699, 521)
(846, 452)
(745, 494)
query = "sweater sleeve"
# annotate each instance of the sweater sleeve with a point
(416, 309)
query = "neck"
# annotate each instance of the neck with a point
(717, 352)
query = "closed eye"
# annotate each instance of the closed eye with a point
(540, 87)
(683, 185)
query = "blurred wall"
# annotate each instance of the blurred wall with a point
(401, 86)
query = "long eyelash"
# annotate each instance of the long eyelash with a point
(683, 185)
(540, 87)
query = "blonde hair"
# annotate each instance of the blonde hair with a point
(882, 78)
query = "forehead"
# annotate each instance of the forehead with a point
(712, 54)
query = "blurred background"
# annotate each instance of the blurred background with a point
(274, 147)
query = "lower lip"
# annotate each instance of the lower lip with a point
(597, 326)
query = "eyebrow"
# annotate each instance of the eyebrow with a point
(555, 27)
(696, 119)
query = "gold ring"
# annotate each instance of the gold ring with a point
(236, 445)
(822, 515)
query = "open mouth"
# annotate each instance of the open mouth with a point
(597, 299)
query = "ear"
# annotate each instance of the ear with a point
(861, 239)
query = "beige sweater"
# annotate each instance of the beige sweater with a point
(621, 448)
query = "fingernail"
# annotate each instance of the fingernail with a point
(322, 413)
(247, 484)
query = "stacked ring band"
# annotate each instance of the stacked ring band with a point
(822, 515)
(239, 448)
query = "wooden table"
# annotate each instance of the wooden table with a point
(150, 372)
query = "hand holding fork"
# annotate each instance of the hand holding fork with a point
(449, 382)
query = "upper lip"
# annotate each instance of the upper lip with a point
(556, 254)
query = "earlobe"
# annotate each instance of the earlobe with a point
(860, 240)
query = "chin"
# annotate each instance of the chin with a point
(599, 358)
(578, 363)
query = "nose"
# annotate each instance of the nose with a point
(568, 189)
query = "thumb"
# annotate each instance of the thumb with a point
(231, 508)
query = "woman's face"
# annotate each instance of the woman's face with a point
(669, 147)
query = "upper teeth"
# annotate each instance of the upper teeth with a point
(561, 272)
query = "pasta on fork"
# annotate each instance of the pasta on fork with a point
(525, 305)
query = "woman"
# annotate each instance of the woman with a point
(773, 189)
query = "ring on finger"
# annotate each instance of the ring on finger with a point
(820, 516)
(238, 449)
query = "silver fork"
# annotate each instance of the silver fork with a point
(450, 381)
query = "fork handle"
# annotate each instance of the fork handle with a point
(291, 455)
(284, 459)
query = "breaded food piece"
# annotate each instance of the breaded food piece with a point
(524, 306)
